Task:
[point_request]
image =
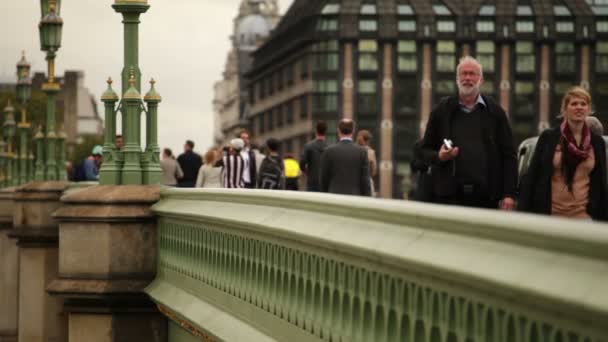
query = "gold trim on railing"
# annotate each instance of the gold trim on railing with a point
(185, 325)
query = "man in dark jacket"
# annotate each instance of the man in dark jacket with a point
(310, 161)
(271, 175)
(344, 165)
(480, 169)
(190, 162)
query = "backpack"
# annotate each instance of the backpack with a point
(271, 174)
(78, 173)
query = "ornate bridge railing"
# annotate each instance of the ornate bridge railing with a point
(260, 265)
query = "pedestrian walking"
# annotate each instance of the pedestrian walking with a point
(210, 174)
(364, 138)
(310, 161)
(190, 163)
(292, 172)
(345, 165)
(232, 164)
(271, 175)
(469, 145)
(172, 172)
(249, 158)
(567, 174)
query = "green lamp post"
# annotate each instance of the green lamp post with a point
(50, 28)
(24, 89)
(131, 164)
(9, 132)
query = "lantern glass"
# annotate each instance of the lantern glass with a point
(54, 36)
(44, 45)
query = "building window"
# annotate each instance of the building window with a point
(304, 67)
(327, 24)
(441, 10)
(525, 60)
(445, 66)
(407, 26)
(326, 56)
(368, 55)
(326, 95)
(367, 96)
(487, 10)
(279, 116)
(280, 78)
(261, 123)
(288, 109)
(561, 11)
(407, 59)
(270, 120)
(368, 9)
(601, 57)
(446, 26)
(600, 86)
(331, 9)
(289, 71)
(446, 56)
(303, 106)
(524, 26)
(564, 27)
(599, 7)
(368, 25)
(403, 9)
(484, 26)
(524, 113)
(601, 26)
(486, 51)
(565, 60)
(524, 10)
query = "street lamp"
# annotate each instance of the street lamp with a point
(50, 28)
(24, 92)
(9, 132)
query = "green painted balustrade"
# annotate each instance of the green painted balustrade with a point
(284, 266)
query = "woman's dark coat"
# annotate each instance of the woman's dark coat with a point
(535, 191)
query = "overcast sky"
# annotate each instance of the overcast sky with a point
(183, 45)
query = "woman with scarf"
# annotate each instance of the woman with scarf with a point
(567, 175)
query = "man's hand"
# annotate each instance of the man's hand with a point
(507, 204)
(446, 153)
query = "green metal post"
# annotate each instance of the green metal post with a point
(110, 168)
(152, 172)
(23, 129)
(39, 138)
(131, 107)
(51, 89)
(2, 163)
(61, 173)
(131, 10)
(16, 179)
(31, 167)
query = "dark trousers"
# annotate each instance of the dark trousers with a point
(468, 201)
(291, 184)
(249, 185)
(313, 187)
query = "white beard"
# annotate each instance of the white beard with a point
(468, 91)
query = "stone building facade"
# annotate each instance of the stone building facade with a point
(386, 63)
(253, 24)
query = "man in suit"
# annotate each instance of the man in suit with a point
(344, 165)
(250, 170)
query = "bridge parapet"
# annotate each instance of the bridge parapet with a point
(261, 265)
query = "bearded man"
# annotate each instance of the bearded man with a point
(469, 145)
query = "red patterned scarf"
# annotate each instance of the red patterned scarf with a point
(573, 154)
